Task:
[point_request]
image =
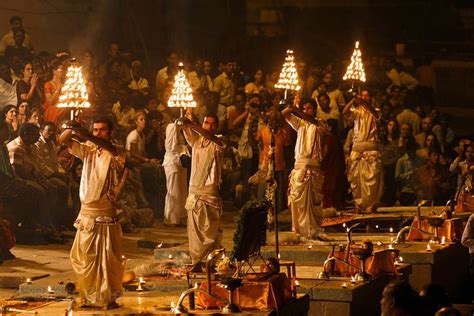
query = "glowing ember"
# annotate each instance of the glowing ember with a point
(74, 90)
(355, 71)
(288, 75)
(182, 94)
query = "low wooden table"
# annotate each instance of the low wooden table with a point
(451, 230)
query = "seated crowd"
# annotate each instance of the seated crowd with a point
(421, 156)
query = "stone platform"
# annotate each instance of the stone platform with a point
(442, 265)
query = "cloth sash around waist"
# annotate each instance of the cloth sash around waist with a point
(204, 190)
(307, 163)
(101, 208)
(365, 146)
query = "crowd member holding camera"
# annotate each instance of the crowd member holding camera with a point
(248, 150)
(365, 171)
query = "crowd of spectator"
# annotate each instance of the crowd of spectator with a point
(421, 155)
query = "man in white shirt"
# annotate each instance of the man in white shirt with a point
(8, 39)
(176, 176)
(224, 86)
(392, 73)
(406, 80)
(7, 87)
(334, 93)
(163, 74)
(200, 79)
(138, 82)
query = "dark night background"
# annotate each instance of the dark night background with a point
(257, 32)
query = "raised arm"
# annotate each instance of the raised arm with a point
(304, 116)
(347, 107)
(286, 112)
(76, 129)
(239, 119)
(205, 133)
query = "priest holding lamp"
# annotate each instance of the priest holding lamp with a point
(306, 178)
(365, 171)
(203, 204)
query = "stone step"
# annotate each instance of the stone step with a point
(57, 283)
(13, 280)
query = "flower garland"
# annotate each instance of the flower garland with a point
(243, 222)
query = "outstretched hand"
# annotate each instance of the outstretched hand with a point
(183, 121)
(296, 100)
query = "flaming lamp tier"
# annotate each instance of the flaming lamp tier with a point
(181, 94)
(355, 71)
(288, 76)
(74, 90)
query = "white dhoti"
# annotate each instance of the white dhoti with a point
(176, 194)
(304, 200)
(366, 178)
(96, 257)
(204, 225)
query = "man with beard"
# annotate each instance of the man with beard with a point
(96, 253)
(306, 178)
(365, 171)
(204, 204)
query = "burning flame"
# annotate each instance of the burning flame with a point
(288, 75)
(74, 90)
(355, 71)
(182, 94)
